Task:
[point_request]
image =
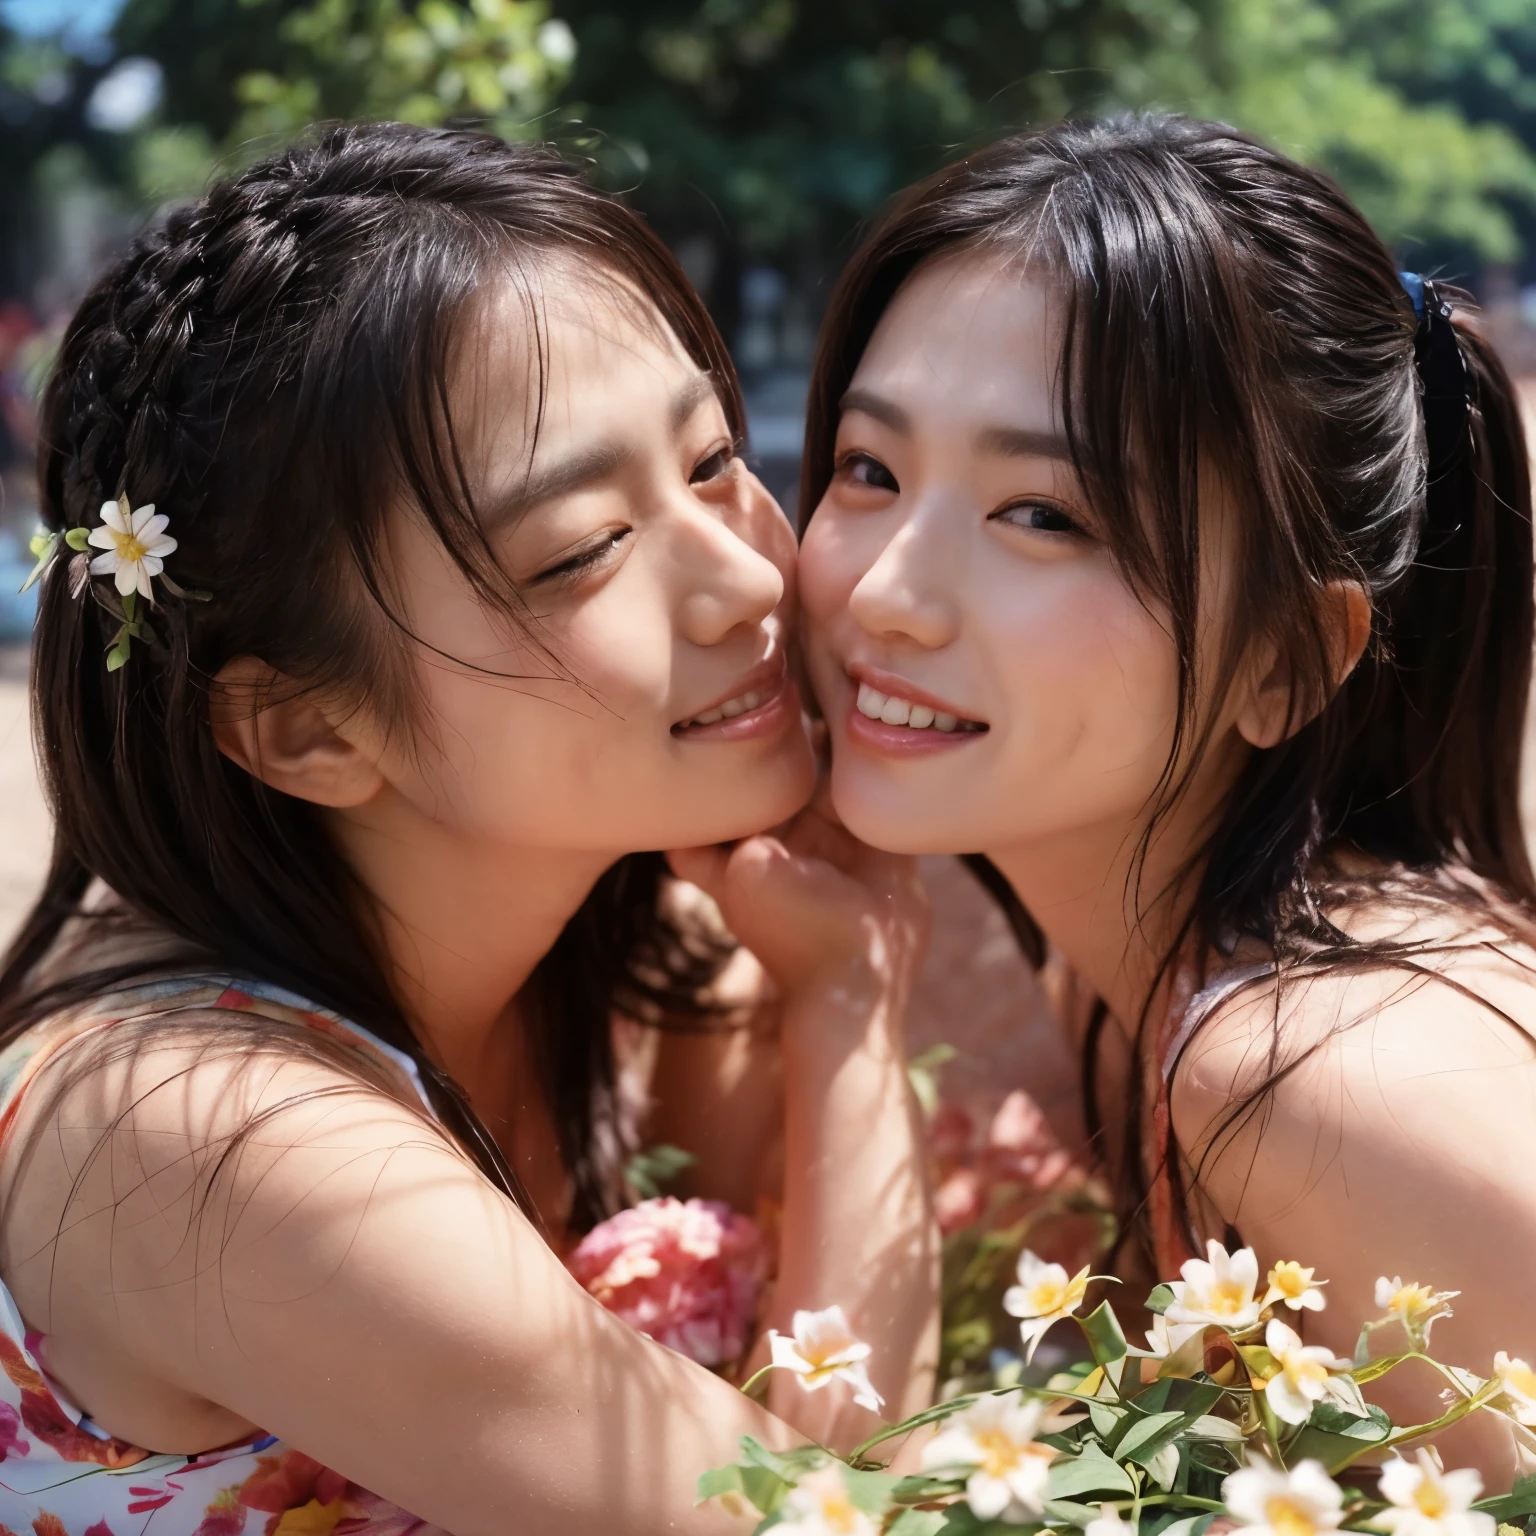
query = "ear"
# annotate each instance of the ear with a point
(279, 734)
(1264, 718)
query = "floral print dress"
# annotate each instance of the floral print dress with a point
(60, 1474)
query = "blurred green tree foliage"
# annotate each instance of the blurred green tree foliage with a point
(765, 130)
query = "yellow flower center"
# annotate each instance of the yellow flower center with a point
(1519, 1377)
(129, 550)
(1430, 1498)
(1303, 1372)
(1409, 1300)
(1047, 1296)
(839, 1514)
(1226, 1298)
(1001, 1454)
(1290, 1279)
(1287, 1518)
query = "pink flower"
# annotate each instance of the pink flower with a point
(1021, 1145)
(685, 1272)
(959, 1200)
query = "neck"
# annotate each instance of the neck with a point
(1111, 910)
(465, 921)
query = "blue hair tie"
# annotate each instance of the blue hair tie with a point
(1445, 397)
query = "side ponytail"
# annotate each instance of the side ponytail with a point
(1438, 731)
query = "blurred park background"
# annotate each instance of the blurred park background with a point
(756, 135)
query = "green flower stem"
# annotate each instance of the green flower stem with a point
(755, 1377)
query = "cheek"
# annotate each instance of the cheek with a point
(832, 561)
(1091, 681)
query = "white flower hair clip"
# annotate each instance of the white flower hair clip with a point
(134, 545)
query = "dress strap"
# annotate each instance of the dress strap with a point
(1187, 1011)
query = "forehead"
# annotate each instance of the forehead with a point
(970, 335)
(566, 345)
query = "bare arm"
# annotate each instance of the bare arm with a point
(841, 929)
(1404, 1146)
(345, 1280)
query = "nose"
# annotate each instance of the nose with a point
(727, 583)
(903, 595)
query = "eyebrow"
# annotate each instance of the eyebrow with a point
(587, 466)
(1008, 442)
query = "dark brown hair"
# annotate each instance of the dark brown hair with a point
(270, 367)
(1223, 304)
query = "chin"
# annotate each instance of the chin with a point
(892, 828)
(763, 801)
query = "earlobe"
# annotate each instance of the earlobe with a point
(277, 732)
(1267, 716)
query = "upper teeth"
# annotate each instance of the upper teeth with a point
(896, 711)
(729, 710)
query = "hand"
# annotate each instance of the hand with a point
(816, 906)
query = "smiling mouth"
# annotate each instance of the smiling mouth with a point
(892, 709)
(742, 704)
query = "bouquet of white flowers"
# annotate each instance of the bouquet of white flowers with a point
(1224, 1415)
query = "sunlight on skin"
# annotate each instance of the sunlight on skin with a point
(347, 1267)
(954, 564)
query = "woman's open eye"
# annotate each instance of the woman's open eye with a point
(714, 465)
(585, 559)
(1040, 516)
(864, 469)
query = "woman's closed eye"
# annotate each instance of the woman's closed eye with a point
(588, 557)
(717, 462)
(1040, 516)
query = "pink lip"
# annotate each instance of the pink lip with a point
(889, 682)
(901, 740)
(768, 719)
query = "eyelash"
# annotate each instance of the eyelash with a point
(585, 560)
(726, 453)
(1073, 528)
(845, 466)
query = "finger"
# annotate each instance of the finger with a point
(704, 867)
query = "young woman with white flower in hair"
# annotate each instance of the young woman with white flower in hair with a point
(437, 597)
(1167, 546)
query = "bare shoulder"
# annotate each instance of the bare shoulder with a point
(150, 1170)
(1366, 1045)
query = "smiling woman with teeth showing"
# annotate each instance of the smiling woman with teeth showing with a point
(308, 1081)
(1165, 545)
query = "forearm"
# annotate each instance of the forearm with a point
(858, 1228)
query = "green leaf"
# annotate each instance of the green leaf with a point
(1209, 1427)
(1106, 1417)
(919, 1489)
(78, 539)
(763, 1490)
(44, 546)
(1091, 1471)
(1335, 1438)
(716, 1481)
(916, 1522)
(1369, 1370)
(1190, 1525)
(647, 1171)
(869, 1491)
(1517, 1504)
(1160, 1299)
(117, 657)
(1146, 1437)
(130, 602)
(1105, 1339)
(1070, 1513)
